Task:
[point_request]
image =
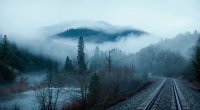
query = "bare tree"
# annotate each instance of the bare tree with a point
(48, 96)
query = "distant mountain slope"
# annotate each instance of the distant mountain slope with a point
(97, 32)
(182, 43)
(98, 36)
(169, 57)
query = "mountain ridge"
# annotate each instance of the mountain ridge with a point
(98, 36)
(97, 32)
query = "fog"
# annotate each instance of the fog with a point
(174, 16)
(30, 23)
(44, 42)
(59, 48)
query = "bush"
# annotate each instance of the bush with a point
(6, 73)
(12, 107)
(77, 105)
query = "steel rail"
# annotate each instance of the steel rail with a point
(148, 103)
(180, 101)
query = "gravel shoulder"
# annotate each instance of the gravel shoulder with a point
(191, 96)
(165, 98)
(133, 102)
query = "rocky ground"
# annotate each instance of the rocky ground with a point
(133, 102)
(191, 96)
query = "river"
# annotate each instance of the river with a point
(27, 100)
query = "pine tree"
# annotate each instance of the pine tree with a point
(94, 87)
(68, 65)
(1, 40)
(1, 43)
(95, 60)
(109, 61)
(4, 49)
(196, 60)
(96, 52)
(6, 73)
(82, 68)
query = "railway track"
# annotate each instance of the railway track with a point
(157, 99)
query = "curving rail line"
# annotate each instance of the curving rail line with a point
(179, 104)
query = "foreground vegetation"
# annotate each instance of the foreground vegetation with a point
(101, 77)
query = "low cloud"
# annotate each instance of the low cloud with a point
(58, 49)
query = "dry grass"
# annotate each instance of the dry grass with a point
(20, 86)
(76, 105)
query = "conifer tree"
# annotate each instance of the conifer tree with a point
(82, 68)
(94, 86)
(68, 65)
(196, 60)
(4, 54)
(6, 73)
(96, 52)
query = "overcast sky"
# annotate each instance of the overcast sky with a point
(161, 17)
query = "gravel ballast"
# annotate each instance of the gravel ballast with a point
(133, 102)
(192, 97)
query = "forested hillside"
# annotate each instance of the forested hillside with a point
(14, 60)
(182, 43)
(172, 57)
